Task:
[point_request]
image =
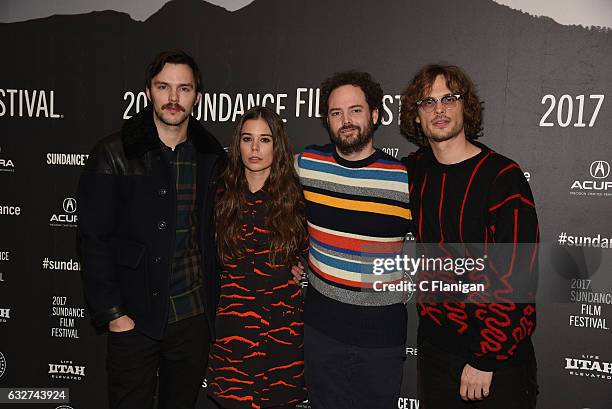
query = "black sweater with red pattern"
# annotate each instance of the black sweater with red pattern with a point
(484, 201)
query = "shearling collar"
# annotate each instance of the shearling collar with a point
(139, 135)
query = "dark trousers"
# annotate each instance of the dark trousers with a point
(343, 376)
(133, 361)
(439, 379)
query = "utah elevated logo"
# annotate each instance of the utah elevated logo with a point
(67, 370)
(589, 366)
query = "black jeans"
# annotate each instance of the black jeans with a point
(343, 376)
(439, 378)
(133, 361)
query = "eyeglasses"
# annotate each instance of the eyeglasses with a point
(429, 104)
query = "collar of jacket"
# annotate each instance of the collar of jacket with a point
(139, 135)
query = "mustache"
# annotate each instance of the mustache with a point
(171, 105)
(348, 127)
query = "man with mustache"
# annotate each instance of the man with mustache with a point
(356, 206)
(475, 352)
(146, 242)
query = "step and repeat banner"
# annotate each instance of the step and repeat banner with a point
(68, 80)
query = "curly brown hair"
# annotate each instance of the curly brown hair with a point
(285, 213)
(371, 88)
(458, 82)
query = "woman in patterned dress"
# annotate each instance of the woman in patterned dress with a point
(257, 360)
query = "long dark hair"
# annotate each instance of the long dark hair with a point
(285, 216)
(458, 82)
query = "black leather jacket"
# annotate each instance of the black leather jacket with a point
(127, 210)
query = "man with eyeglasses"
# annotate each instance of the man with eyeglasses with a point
(476, 350)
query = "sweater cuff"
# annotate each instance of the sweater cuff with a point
(483, 364)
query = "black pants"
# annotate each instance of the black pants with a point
(133, 361)
(343, 376)
(439, 380)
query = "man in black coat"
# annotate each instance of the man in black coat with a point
(147, 243)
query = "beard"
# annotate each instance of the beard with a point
(441, 136)
(350, 144)
(169, 120)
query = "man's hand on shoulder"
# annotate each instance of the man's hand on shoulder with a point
(475, 383)
(121, 324)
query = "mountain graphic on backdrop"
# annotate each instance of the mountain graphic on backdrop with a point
(276, 46)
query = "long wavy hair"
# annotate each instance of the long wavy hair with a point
(458, 82)
(285, 214)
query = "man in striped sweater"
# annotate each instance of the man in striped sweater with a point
(357, 210)
(465, 195)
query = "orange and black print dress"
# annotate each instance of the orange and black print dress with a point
(257, 358)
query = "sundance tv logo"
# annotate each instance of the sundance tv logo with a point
(597, 185)
(589, 366)
(6, 164)
(67, 159)
(67, 370)
(68, 218)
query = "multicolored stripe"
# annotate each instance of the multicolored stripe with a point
(355, 215)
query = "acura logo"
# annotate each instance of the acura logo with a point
(69, 205)
(600, 169)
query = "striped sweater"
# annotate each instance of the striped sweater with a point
(357, 211)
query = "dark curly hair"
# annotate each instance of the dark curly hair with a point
(458, 82)
(372, 90)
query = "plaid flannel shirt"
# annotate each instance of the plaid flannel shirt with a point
(185, 277)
